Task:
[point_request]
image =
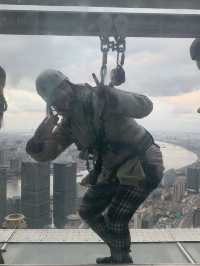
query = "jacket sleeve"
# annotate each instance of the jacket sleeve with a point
(48, 144)
(128, 103)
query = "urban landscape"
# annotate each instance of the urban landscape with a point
(51, 193)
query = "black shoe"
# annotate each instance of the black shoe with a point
(110, 260)
(104, 260)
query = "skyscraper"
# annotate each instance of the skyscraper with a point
(179, 188)
(3, 193)
(15, 165)
(64, 192)
(35, 193)
(2, 157)
(193, 178)
(196, 217)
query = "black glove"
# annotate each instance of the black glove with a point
(3, 104)
(33, 146)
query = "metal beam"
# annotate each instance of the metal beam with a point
(87, 24)
(172, 4)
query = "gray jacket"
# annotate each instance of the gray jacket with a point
(83, 123)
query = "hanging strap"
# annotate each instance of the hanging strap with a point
(98, 131)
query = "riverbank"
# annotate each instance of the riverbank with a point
(176, 157)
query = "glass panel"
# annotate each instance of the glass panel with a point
(49, 194)
(194, 250)
(71, 254)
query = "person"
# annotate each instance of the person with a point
(2, 110)
(3, 103)
(195, 55)
(127, 164)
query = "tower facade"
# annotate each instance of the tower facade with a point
(35, 193)
(64, 192)
(193, 178)
(3, 193)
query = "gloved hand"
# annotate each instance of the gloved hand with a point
(3, 104)
(43, 133)
(45, 129)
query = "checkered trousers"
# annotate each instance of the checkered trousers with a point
(108, 208)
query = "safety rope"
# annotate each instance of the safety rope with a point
(118, 44)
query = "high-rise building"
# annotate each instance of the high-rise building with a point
(179, 188)
(138, 219)
(196, 218)
(64, 192)
(2, 157)
(6, 155)
(35, 193)
(169, 178)
(193, 178)
(15, 165)
(147, 221)
(14, 204)
(3, 193)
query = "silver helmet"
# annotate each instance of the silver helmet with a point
(47, 83)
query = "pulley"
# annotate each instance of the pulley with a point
(117, 76)
(117, 44)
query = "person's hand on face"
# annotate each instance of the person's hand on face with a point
(62, 98)
(46, 127)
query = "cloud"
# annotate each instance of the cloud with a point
(23, 101)
(186, 103)
(160, 68)
(26, 56)
(170, 116)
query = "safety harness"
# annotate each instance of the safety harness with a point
(117, 78)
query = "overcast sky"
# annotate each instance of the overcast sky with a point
(159, 68)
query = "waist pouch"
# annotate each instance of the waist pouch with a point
(131, 172)
(137, 172)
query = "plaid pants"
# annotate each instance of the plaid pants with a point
(108, 208)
